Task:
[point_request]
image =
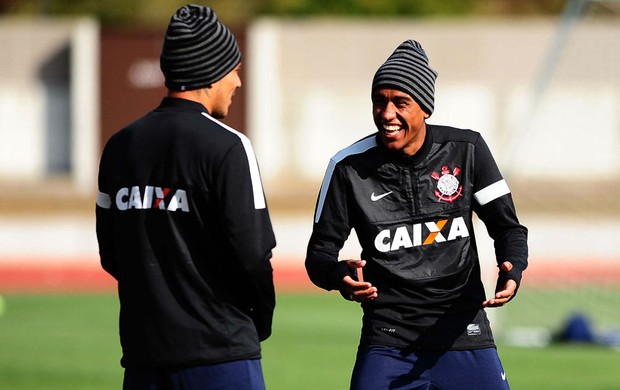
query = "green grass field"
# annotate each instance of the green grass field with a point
(71, 342)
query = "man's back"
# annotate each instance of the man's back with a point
(169, 177)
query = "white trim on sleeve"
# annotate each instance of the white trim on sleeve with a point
(358, 147)
(257, 185)
(103, 200)
(492, 192)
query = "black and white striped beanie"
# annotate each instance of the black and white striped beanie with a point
(407, 70)
(198, 50)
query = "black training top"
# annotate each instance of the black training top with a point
(413, 218)
(183, 226)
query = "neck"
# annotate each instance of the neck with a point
(198, 95)
(416, 143)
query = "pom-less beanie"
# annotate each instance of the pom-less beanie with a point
(198, 50)
(407, 70)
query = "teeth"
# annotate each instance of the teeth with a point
(391, 128)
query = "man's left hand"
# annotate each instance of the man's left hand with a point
(503, 296)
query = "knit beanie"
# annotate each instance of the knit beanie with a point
(198, 50)
(407, 70)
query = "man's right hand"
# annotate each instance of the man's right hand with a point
(358, 291)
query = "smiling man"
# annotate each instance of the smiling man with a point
(409, 191)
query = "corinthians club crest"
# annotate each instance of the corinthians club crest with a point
(448, 186)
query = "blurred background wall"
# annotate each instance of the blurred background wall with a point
(309, 86)
(542, 90)
(49, 103)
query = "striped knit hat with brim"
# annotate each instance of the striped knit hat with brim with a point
(198, 50)
(407, 70)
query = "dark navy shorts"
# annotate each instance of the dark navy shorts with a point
(379, 367)
(242, 374)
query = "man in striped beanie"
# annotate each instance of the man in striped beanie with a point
(406, 71)
(409, 190)
(199, 51)
(183, 224)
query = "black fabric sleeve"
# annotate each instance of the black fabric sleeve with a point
(330, 230)
(499, 215)
(104, 235)
(104, 224)
(248, 230)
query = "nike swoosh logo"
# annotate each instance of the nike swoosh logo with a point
(503, 376)
(375, 198)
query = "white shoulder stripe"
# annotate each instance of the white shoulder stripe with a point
(103, 200)
(492, 192)
(356, 148)
(257, 186)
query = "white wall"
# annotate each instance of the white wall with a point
(27, 45)
(309, 84)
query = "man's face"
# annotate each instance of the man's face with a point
(222, 92)
(399, 119)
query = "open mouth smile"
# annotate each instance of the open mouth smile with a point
(391, 130)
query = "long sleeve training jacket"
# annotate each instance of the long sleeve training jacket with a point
(413, 218)
(183, 227)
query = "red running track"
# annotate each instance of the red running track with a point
(60, 276)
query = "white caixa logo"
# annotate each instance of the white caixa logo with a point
(409, 236)
(148, 197)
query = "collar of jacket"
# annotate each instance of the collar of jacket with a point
(174, 103)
